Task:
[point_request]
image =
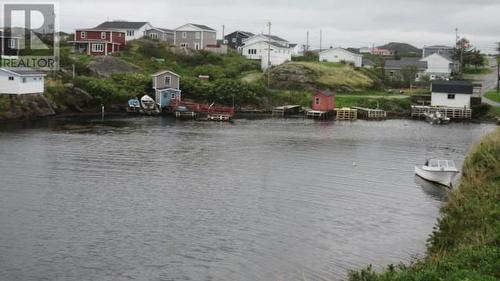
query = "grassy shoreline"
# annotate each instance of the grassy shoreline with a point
(465, 244)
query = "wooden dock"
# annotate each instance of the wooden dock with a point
(286, 110)
(368, 113)
(454, 113)
(185, 115)
(346, 114)
(320, 115)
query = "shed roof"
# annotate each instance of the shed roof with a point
(453, 87)
(165, 71)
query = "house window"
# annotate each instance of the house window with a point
(130, 33)
(316, 101)
(12, 43)
(184, 45)
(24, 79)
(196, 46)
(11, 78)
(153, 35)
(233, 40)
(98, 48)
(197, 35)
(103, 35)
(451, 96)
(167, 80)
(83, 34)
(252, 51)
(391, 74)
(172, 96)
(184, 35)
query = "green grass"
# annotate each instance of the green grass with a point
(477, 71)
(382, 102)
(465, 244)
(493, 95)
(251, 76)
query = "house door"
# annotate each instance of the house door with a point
(196, 46)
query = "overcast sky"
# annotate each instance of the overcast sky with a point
(344, 23)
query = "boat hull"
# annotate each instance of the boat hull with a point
(441, 177)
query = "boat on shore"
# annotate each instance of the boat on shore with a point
(438, 171)
(149, 105)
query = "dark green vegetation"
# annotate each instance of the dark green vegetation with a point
(465, 244)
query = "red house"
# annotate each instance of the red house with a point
(99, 41)
(323, 101)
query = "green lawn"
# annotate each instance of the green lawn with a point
(493, 95)
(475, 71)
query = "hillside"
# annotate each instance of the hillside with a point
(402, 49)
(320, 75)
(466, 242)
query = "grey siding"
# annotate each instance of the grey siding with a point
(209, 38)
(162, 36)
(160, 81)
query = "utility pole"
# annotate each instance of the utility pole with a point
(307, 42)
(269, 56)
(223, 27)
(320, 40)
(498, 67)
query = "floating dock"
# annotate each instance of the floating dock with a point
(321, 115)
(368, 113)
(346, 114)
(454, 113)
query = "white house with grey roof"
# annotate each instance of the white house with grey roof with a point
(132, 29)
(439, 67)
(341, 55)
(195, 36)
(257, 48)
(21, 81)
(452, 93)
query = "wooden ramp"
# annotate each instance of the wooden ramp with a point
(368, 113)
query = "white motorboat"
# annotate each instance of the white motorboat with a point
(438, 171)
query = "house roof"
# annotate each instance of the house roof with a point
(245, 33)
(122, 24)
(327, 93)
(292, 45)
(163, 72)
(274, 37)
(202, 26)
(439, 47)
(23, 71)
(100, 29)
(453, 87)
(339, 49)
(405, 62)
(162, 29)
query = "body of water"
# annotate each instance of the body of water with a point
(272, 199)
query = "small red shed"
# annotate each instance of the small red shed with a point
(323, 101)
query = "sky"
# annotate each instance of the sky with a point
(344, 23)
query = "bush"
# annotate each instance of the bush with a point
(4, 103)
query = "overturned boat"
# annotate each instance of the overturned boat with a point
(438, 171)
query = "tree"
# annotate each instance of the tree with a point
(409, 74)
